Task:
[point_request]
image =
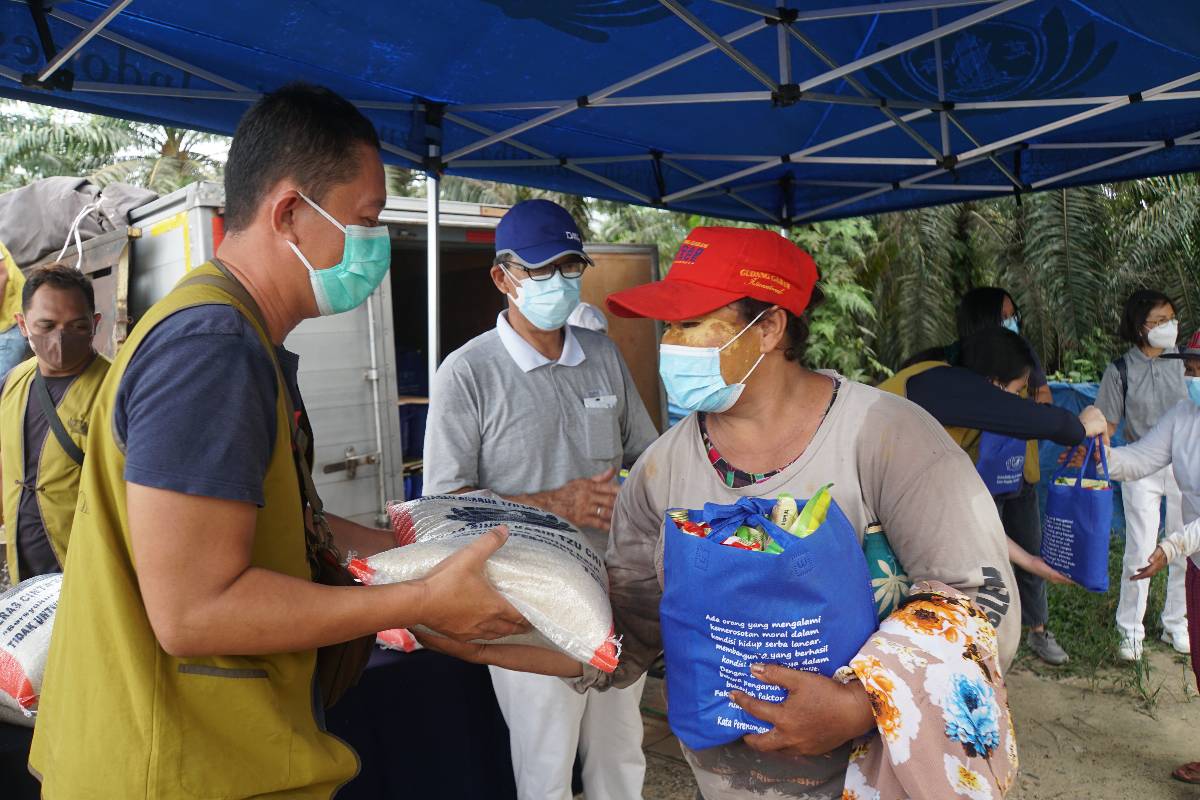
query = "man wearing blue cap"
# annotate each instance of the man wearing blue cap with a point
(544, 413)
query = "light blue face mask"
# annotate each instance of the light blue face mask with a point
(546, 304)
(1193, 387)
(1012, 324)
(692, 375)
(366, 256)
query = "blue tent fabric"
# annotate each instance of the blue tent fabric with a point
(1035, 94)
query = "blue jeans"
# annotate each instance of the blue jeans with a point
(12, 350)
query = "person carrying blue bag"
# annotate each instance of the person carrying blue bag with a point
(920, 708)
(976, 395)
(1078, 522)
(813, 610)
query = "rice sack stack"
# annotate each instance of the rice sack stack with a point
(759, 581)
(26, 622)
(546, 569)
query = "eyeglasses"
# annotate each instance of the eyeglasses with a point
(571, 270)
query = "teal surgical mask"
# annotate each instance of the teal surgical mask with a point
(346, 285)
(546, 304)
(1012, 324)
(692, 376)
(1193, 387)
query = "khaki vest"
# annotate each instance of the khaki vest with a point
(121, 718)
(58, 474)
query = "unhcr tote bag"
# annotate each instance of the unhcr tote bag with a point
(1001, 463)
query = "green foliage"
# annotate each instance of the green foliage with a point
(1160, 241)
(621, 222)
(842, 327)
(1082, 622)
(40, 142)
(1087, 363)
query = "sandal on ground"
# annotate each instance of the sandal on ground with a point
(1188, 773)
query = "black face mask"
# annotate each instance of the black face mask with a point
(62, 351)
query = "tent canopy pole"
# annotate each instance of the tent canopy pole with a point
(434, 115)
(85, 36)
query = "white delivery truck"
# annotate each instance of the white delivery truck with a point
(363, 374)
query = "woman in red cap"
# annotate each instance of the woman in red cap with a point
(921, 711)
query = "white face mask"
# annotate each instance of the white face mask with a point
(1164, 335)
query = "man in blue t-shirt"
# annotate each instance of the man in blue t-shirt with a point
(196, 405)
(195, 418)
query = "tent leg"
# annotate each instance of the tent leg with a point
(433, 271)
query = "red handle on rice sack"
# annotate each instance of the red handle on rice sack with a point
(361, 570)
(398, 639)
(15, 683)
(403, 530)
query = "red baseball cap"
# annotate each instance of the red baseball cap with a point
(718, 266)
(1191, 351)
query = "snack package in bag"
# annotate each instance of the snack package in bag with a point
(1078, 525)
(26, 622)
(809, 607)
(546, 568)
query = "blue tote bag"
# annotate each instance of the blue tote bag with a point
(723, 609)
(1077, 526)
(1001, 463)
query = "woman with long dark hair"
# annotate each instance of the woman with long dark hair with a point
(989, 307)
(977, 398)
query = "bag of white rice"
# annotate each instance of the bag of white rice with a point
(546, 568)
(26, 622)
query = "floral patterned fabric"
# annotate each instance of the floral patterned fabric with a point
(941, 707)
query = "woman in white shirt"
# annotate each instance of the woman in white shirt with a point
(1178, 429)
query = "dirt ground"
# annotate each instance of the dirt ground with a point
(1103, 741)
(1078, 739)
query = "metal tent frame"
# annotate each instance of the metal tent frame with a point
(790, 28)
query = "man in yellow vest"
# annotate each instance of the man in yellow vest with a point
(44, 412)
(183, 662)
(12, 344)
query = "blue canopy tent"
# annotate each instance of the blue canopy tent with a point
(722, 107)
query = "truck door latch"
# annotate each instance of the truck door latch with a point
(351, 462)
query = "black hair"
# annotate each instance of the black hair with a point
(59, 277)
(997, 354)
(981, 308)
(796, 334)
(300, 131)
(1137, 311)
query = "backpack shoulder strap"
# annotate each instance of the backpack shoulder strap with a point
(42, 394)
(1123, 371)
